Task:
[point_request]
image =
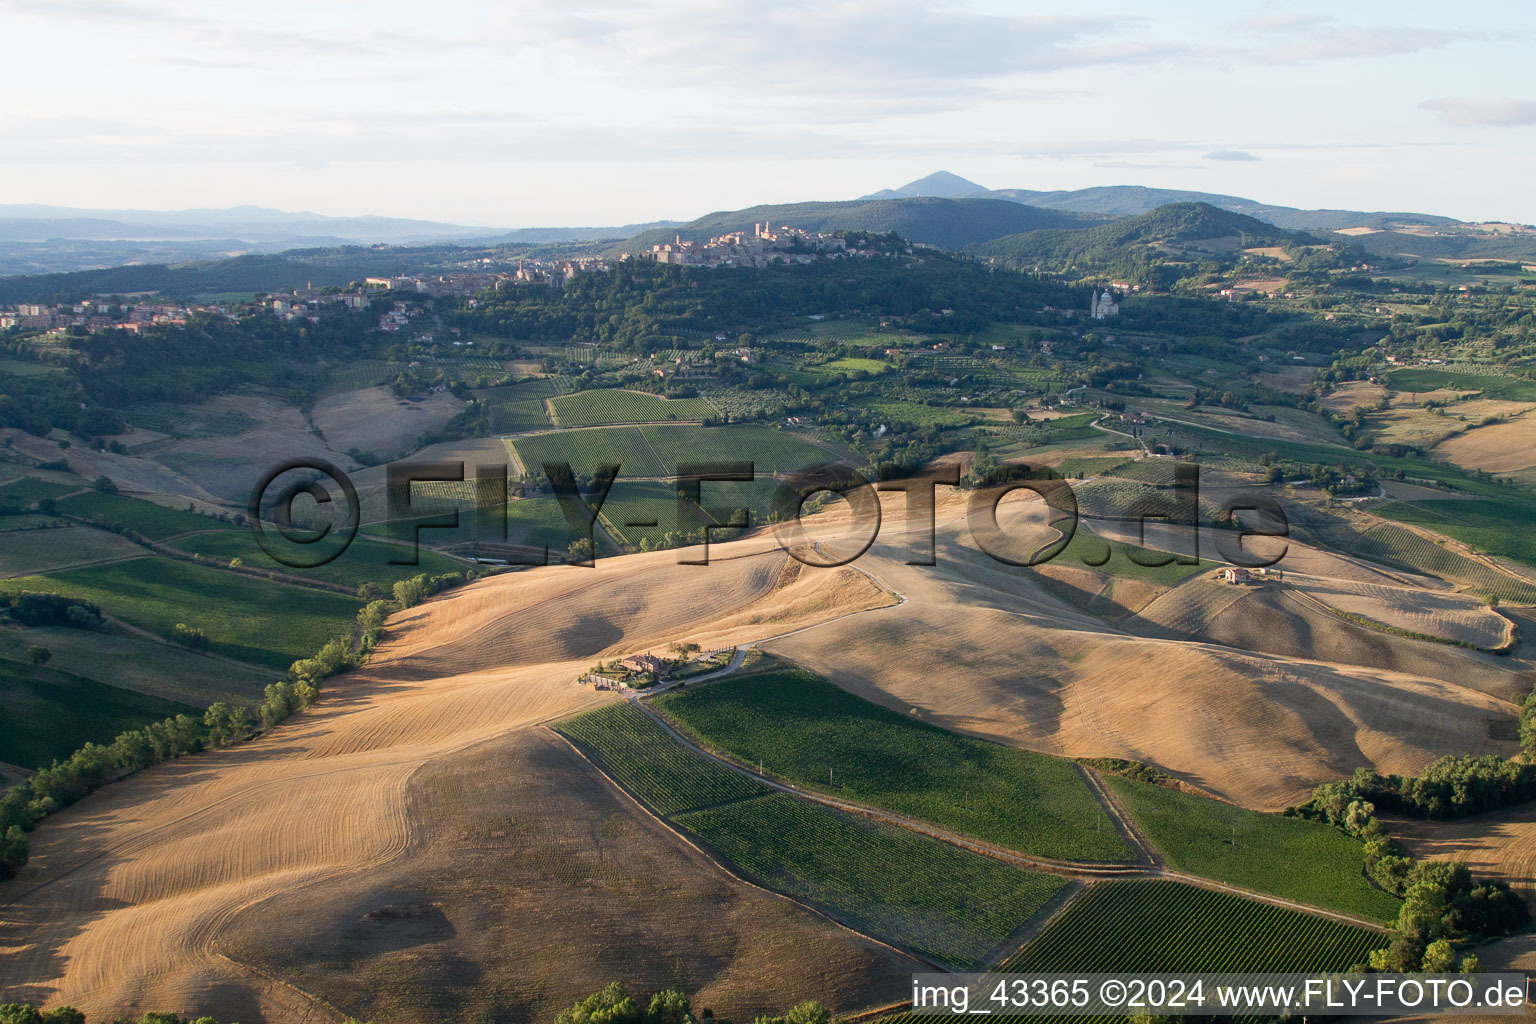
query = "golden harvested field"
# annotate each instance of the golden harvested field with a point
(152, 892)
(1507, 447)
(1277, 621)
(417, 848)
(1412, 425)
(1452, 616)
(1501, 846)
(1350, 396)
(979, 648)
(529, 878)
(1479, 409)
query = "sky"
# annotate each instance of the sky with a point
(524, 113)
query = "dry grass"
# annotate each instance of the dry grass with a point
(1501, 846)
(1507, 447)
(376, 420)
(1347, 397)
(1455, 617)
(980, 648)
(229, 467)
(413, 841)
(530, 881)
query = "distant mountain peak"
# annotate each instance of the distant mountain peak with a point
(940, 183)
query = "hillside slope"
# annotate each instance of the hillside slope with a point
(945, 223)
(1175, 224)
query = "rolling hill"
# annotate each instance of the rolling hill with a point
(926, 220)
(1175, 224)
(1130, 200)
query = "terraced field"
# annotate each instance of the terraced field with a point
(804, 729)
(607, 406)
(939, 901)
(652, 766)
(1158, 926)
(1288, 857)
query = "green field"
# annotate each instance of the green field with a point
(640, 501)
(588, 449)
(1415, 381)
(607, 406)
(1294, 858)
(1393, 545)
(363, 561)
(923, 417)
(247, 619)
(655, 451)
(358, 374)
(144, 517)
(1157, 926)
(519, 407)
(29, 489)
(656, 769)
(536, 522)
(138, 663)
(49, 714)
(940, 901)
(1496, 527)
(802, 728)
(24, 368)
(851, 365)
(1088, 550)
(46, 550)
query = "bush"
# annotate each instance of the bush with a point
(52, 610)
(190, 638)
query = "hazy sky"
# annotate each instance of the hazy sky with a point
(562, 113)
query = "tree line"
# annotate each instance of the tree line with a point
(614, 1005)
(1442, 903)
(96, 765)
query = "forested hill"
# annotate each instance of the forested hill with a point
(927, 220)
(1134, 241)
(266, 272)
(645, 306)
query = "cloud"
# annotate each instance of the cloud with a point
(802, 47)
(1482, 110)
(1302, 38)
(1235, 155)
